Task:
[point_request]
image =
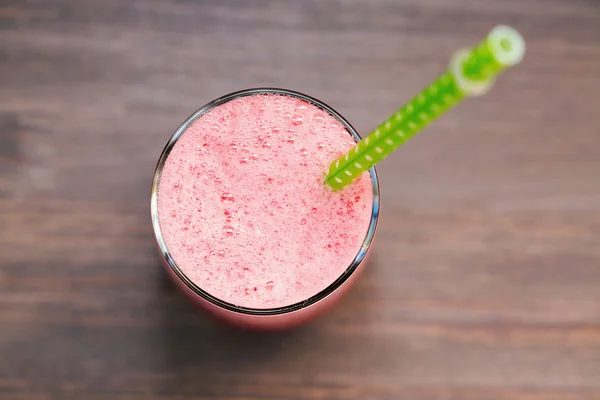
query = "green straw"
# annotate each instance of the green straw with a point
(470, 73)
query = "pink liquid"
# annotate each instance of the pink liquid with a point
(243, 208)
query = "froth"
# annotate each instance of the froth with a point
(243, 208)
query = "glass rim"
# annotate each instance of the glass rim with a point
(166, 255)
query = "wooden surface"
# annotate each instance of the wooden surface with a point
(486, 277)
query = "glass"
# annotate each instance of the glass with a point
(271, 318)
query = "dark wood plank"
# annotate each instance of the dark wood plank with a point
(486, 277)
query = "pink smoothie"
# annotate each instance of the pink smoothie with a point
(243, 208)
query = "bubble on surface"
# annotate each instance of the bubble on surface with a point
(318, 117)
(297, 120)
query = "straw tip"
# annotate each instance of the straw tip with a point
(507, 45)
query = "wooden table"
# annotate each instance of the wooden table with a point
(486, 277)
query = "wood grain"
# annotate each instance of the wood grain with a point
(486, 277)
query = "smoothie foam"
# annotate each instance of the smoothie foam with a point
(243, 208)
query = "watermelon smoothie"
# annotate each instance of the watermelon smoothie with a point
(246, 226)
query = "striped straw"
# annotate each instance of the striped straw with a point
(470, 73)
